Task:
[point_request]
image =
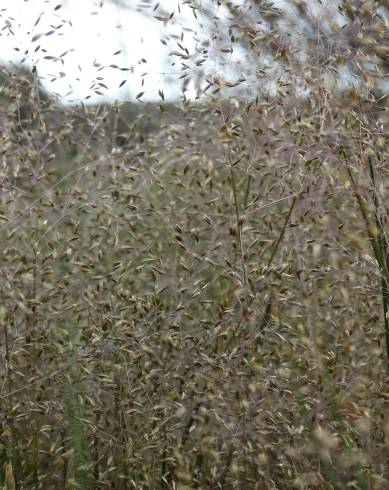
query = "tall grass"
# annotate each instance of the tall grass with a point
(194, 298)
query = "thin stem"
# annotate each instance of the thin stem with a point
(378, 244)
(383, 256)
(281, 236)
(252, 297)
(247, 192)
(237, 216)
(3, 320)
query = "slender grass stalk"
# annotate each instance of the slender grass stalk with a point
(237, 216)
(282, 233)
(267, 310)
(31, 328)
(382, 249)
(377, 240)
(12, 457)
(247, 192)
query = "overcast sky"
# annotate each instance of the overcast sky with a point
(90, 34)
(91, 51)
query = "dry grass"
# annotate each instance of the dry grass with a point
(200, 307)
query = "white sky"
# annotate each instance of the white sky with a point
(91, 33)
(73, 60)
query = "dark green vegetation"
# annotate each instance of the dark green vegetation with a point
(193, 297)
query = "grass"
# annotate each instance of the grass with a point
(199, 308)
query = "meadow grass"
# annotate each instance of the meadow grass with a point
(204, 306)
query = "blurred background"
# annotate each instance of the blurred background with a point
(104, 50)
(100, 50)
